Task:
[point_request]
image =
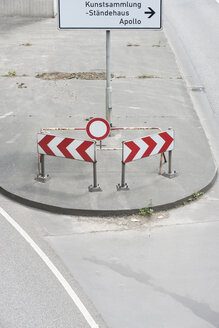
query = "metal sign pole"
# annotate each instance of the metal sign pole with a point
(108, 77)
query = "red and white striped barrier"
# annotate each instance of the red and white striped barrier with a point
(66, 147)
(148, 146)
(86, 150)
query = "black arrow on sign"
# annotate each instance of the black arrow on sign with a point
(151, 12)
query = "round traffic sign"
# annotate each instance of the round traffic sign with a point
(98, 129)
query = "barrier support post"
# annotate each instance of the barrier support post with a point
(162, 156)
(95, 187)
(41, 177)
(170, 174)
(123, 185)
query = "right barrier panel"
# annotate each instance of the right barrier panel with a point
(147, 146)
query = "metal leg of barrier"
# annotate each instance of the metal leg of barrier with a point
(171, 174)
(162, 156)
(161, 163)
(41, 176)
(123, 185)
(95, 187)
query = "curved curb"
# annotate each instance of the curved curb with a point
(100, 213)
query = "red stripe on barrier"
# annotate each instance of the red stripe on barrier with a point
(82, 150)
(168, 140)
(134, 150)
(63, 147)
(44, 145)
(151, 145)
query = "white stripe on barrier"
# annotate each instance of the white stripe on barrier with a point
(160, 142)
(72, 149)
(53, 145)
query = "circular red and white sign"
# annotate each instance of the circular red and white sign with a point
(98, 129)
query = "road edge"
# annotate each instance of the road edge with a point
(101, 213)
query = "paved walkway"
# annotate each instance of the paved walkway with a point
(32, 46)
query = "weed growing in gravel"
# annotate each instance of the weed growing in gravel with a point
(12, 73)
(194, 197)
(147, 211)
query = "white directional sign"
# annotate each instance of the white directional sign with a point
(114, 14)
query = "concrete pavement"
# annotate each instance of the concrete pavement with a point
(162, 276)
(32, 46)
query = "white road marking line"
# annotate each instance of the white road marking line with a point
(5, 115)
(54, 270)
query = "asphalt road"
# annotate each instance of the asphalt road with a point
(36, 290)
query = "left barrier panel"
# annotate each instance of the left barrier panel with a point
(76, 149)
